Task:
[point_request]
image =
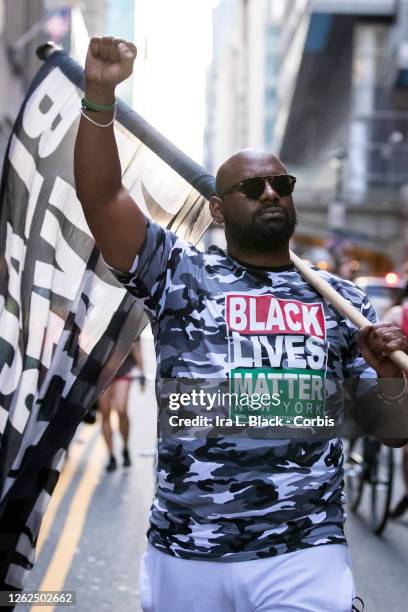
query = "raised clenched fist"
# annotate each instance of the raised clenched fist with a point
(109, 61)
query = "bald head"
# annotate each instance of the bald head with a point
(259, 219)
(246, 163)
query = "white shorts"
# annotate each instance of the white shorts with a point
(316, 579)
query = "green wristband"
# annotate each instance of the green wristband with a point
(99, 108)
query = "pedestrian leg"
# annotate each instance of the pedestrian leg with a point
(104, 404)
(119, 401)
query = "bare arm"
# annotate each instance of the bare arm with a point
(115, 220)
(376, 342)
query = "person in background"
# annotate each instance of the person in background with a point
(398, 314)
(116, 397)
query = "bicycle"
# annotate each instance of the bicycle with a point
(369, 461)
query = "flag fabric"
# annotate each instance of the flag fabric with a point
(65, 323)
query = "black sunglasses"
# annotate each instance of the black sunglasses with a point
(254, 186)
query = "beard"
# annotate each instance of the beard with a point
(263, 235)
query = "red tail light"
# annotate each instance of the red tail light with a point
(392, 278)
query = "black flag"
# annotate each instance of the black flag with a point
(65, 322)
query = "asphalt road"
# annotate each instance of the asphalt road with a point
(380, 563)
(93, 535)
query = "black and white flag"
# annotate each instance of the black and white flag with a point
(65, 323)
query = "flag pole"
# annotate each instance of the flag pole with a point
(199, 178)
(341, 304)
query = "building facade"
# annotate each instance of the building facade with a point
(249, 46)
(112, 18)
(26, 24)
(94, 13)
(120, 22)
(19, 38)
(324, 84)
(223, 126)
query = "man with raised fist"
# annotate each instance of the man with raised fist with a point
(241, 521)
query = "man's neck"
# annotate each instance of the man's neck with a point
(273, 259)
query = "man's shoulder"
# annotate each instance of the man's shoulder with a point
(214, 250)
(214, 256)
(186, 256)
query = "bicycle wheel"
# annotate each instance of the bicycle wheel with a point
(355, 471)
(381, 475)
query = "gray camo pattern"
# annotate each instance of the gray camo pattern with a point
(233, 498)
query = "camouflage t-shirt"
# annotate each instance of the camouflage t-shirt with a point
(236, 497)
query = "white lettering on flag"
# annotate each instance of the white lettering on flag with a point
(67, 280)
(24, 165)
(10, 323)
(51, 111)
(64, 198)
(97, 319)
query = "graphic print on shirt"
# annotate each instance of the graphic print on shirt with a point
(276, 348)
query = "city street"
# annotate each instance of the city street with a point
(275, 143)
(93, 534)
(380, 563)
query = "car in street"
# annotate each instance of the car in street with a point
(383, 291)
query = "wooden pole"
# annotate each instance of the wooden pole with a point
(342, 305)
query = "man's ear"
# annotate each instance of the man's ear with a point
(216, 209)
